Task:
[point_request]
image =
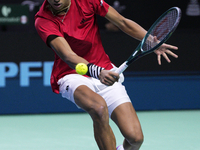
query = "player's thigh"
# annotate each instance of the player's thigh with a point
(88, 100)
(81, 91)
(127, 120)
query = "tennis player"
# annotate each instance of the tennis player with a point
(70, 29)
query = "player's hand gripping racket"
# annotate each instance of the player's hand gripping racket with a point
(159, 33)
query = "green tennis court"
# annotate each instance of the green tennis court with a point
(163, 130)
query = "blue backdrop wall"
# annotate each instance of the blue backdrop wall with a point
(147, 93)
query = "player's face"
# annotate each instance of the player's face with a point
(58, 4)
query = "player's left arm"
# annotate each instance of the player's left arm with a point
(136, 31)
(126, 25)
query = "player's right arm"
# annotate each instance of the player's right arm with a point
(50, 34)
(64, 51)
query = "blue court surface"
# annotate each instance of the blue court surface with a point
(163, 130)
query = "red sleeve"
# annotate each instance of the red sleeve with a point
(46, 27)
(100, 7)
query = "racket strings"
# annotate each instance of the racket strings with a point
(160, 30)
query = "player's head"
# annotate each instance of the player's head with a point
(59, 4)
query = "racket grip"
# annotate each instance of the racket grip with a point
(121, 68)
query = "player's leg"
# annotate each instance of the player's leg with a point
(121, 111)
(126, 119)
(96, 106)
(80, 90)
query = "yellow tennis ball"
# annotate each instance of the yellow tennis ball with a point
(81, 68)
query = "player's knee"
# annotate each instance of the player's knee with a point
(99, 112)
(136, 139)
(139, 139)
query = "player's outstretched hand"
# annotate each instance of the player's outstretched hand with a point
(108, 77)
(163, 50)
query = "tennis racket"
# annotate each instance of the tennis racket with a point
(158, 33)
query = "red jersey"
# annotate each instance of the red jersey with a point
(79, 28)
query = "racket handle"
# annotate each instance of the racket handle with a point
(121, 68)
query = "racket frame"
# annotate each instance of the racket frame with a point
(138, 53)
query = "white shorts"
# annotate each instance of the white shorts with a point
(113, 95)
